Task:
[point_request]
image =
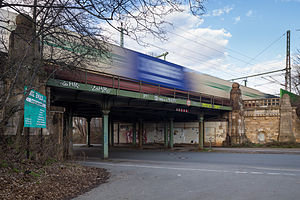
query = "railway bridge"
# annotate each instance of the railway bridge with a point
(91, 94)
(136, 88)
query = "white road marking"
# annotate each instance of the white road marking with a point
(239, 172)
(190, 169)
(256, 173)
(274, 173)
(287, 174)
(277, 169)
(158, 167)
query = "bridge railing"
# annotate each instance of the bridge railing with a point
(123, 83)
(263, 103)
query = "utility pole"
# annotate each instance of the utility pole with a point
(245, 82)
(288, 82)
(122, 36)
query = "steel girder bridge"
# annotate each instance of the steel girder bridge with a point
(90, 94)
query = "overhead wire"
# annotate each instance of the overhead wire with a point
(204, 62)
(211, 41)
(221, 52)
(246, 62)
(238, 59)
(261, 52)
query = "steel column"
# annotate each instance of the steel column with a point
(171, 143)
(118, 133)
(88, 132)
(140, 133)
(201, 130)
(112, 133)
(166, 134)
(134, 134)
(105, 134)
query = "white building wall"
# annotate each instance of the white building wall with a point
(184, 132)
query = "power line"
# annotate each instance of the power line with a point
(261, 52)
(247, 62)
(204, 62)
(251, 59)
(264, 73)
(221, 52)
(198, 36)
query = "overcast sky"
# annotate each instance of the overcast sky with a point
(233, 39)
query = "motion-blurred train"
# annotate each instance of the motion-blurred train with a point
(139, 66)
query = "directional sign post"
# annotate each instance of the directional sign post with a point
(35, 110)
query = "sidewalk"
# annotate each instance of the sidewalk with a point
(258, 150)
(84, 150)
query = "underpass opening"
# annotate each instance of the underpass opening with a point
(134, 123)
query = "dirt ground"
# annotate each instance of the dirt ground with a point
(53, 180)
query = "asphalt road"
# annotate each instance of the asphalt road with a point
(151, 175)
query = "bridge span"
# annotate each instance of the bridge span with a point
(91, 94)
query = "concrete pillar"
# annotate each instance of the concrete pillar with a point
(88, 138)
(134, 134)
(201, 130)
(105, 134)
(171, 143)
(140, 134)
(166, 134)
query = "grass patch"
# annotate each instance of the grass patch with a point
(3, 163)
(34, 174)
(50, 161)
(15, 170)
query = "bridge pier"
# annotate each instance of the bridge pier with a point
(112, 133)
(141, 134)
(88, 139)
(118, 133)
(171, 142)
(166, 135)
(134, 134)
(201, 130)
(109, 132)
(105, 134)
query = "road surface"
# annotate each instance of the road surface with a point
(167, 175)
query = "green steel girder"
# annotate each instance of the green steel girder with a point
(129, 94)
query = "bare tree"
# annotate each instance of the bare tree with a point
(296, 72)
(67, 32)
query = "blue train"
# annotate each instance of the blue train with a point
(136, 65)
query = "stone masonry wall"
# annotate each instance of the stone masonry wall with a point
(262, 124)
(296, 125)
(268, 120)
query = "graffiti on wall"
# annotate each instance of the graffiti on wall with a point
(184, 133)
(126, 134)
